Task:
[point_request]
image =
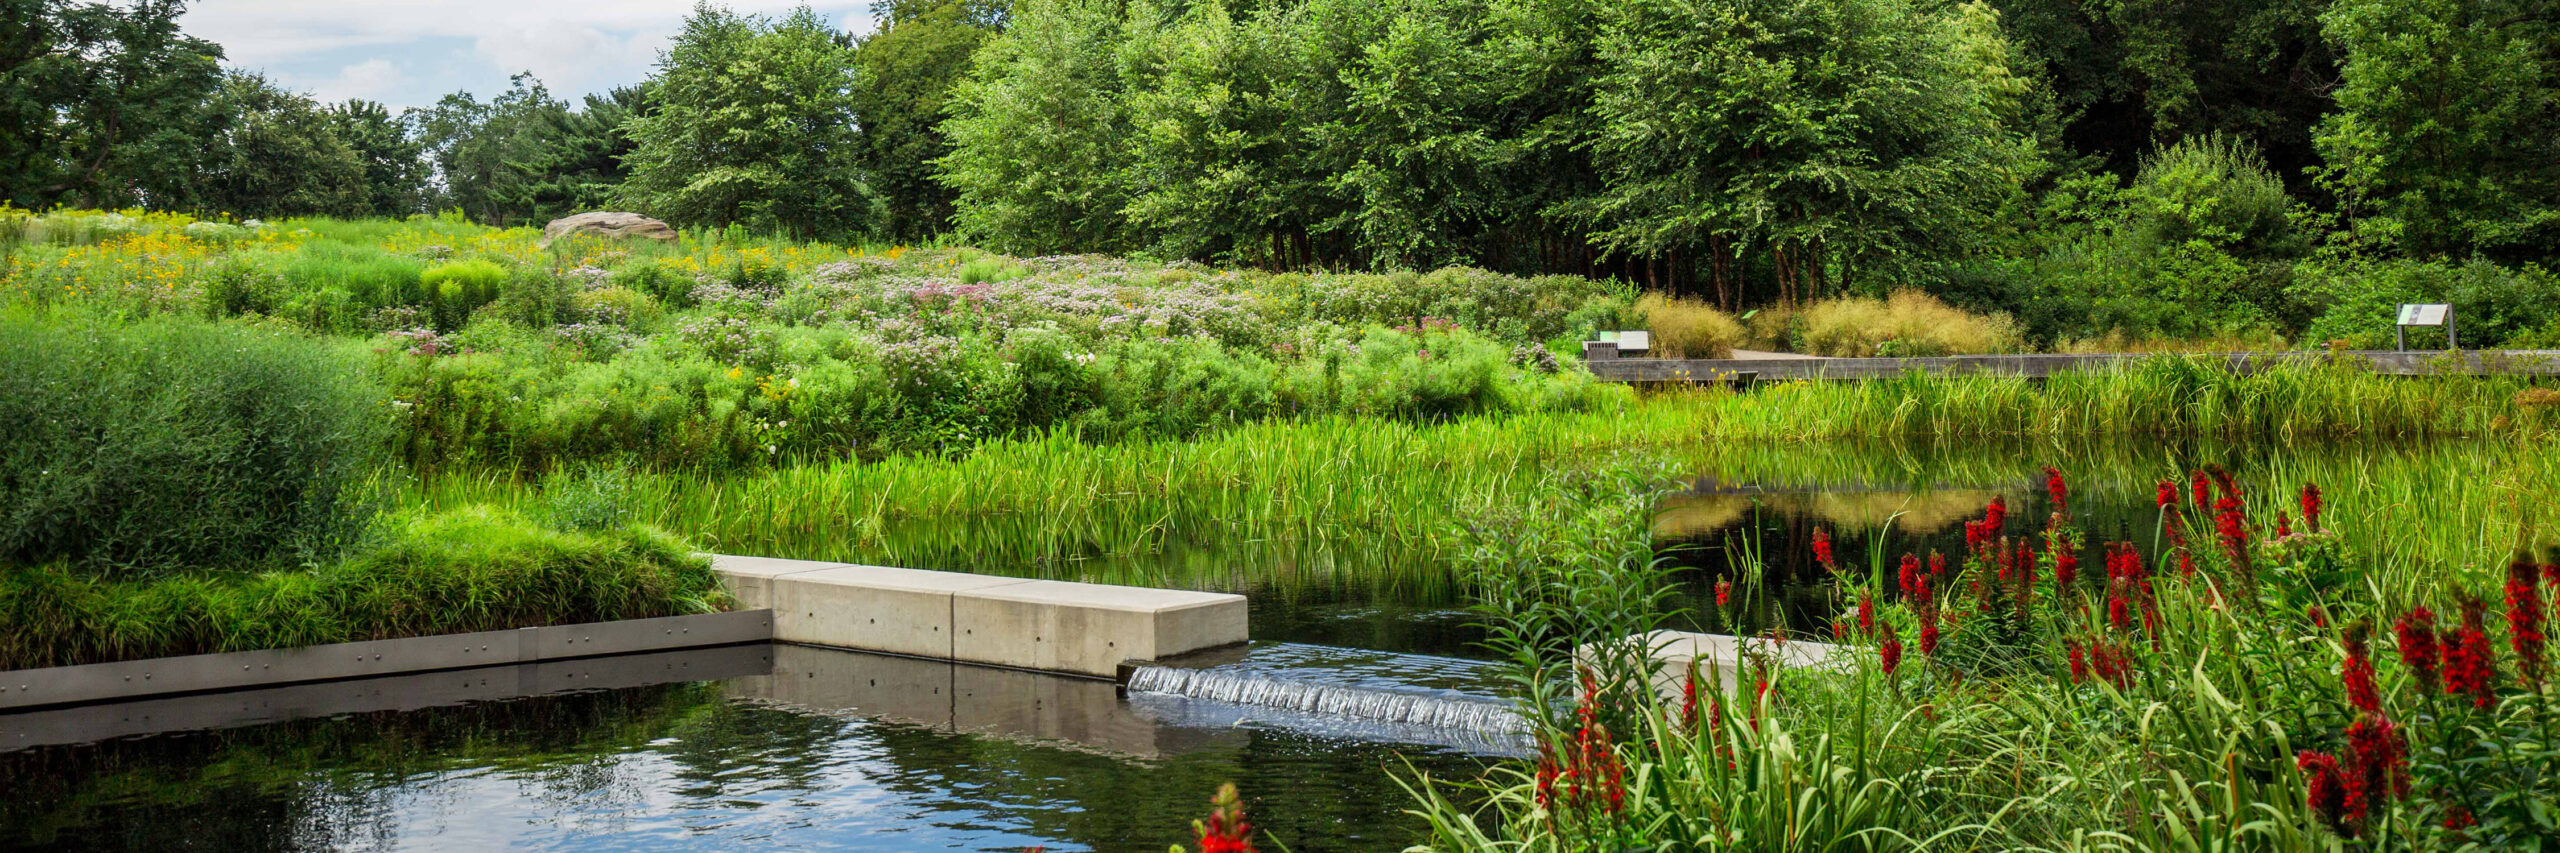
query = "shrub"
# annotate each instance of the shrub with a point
(468, 569)
(2358, 300)
(1909, 323)
(169, 442)
(457, 288)
(1688, 328)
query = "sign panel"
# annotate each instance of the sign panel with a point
(2423, 315)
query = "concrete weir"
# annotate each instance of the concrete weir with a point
(1051, 626)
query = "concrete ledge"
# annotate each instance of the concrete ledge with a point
(1723, 655)
(1051, 626)
(1090, 628)
(93, 723)
(947, 696)
(104, 682)
(2388, 362)
(874, 608)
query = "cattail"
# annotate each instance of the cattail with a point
(2469, 667)
(2416, 631)
(2311, 507)
(2327, 795)
(2524, 618)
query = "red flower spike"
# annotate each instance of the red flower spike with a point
(2357, 673)
(2311, 505)
(1822, 547)
(1892, 649)
(2376, 762)
(2284, 526)
(1909, 577)
(2470, 668)
(2168, 495)
(2524, 618)
(1929, 638)
(2066, 564)
(1226, 831)
(1724, 592)
(1996, 515)
(1867, 614)
(2079, 662)
(2055, 489)
(2416, 631)
(2202, 489)
(2326, 794)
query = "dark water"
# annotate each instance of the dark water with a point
(796, 748)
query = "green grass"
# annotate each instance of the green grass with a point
(470, 569)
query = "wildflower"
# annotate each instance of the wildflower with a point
(2168, 494)
(2357, 673)
(1909, 576)
(1225, 831)
(1892, 649)
(2327, 795)
(1867, 614)
(1689, 698)
(2066, 564)
(1996, 515)
(2469, 669)
(2311, 506)
(2199, 485)
(2079, 662)
(2457, 817)
(1822, 547)
(2318, 615)
(1929, 637)
(2055, 489)
(2376, 762)
(2416, 631)
(2284, 526)
(2524, 618)
(1724, 592)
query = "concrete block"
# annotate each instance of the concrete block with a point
(874, 608)
(1722, 656)
(646, 635)
(884, 687)
(1089, 629)
(750, 579)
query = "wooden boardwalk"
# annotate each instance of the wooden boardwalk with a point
(2397, 363)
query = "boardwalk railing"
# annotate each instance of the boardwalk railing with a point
(2466, 362)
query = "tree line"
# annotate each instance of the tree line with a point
(2159, 165)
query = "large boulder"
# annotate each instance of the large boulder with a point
(612, 226)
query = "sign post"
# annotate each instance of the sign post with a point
(2425, 315)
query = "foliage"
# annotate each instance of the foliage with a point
(105, 103)
(1688, 328)
(167, 443)
(907, 70)
(2358, 298)
(1907, 324)
(754, 125)
(466, 569)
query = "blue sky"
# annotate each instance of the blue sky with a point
(408, 54)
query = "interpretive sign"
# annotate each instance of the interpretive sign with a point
(2425, 315)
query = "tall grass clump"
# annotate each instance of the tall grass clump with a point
(466, 569)
(1688, 328)
(1907, 324)
(169, 442)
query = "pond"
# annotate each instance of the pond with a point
(787, 747)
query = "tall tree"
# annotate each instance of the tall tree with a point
(101, 104)
(906, 72)
(486, 156)
(394, 166)
(1040, 137)
(755, 125)
(276, 153)
(2447, 136)
(583, 165)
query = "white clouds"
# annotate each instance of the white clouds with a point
(372, 79)
(575, 46)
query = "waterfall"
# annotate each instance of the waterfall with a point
(1466, 715)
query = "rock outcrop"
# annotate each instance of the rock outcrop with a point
(609, 225)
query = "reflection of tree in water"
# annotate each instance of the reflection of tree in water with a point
(329, 783)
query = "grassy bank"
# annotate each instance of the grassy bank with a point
(464, 570)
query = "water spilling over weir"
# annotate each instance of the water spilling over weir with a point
(1351, 693)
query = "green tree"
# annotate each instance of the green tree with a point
(2446, 140)
(755, 124)
(906, 72)
(276, 153)
(101, 105)
(487, 156)
(1864, 138)
(394, 165)
(1040, 137)
(582, 167)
